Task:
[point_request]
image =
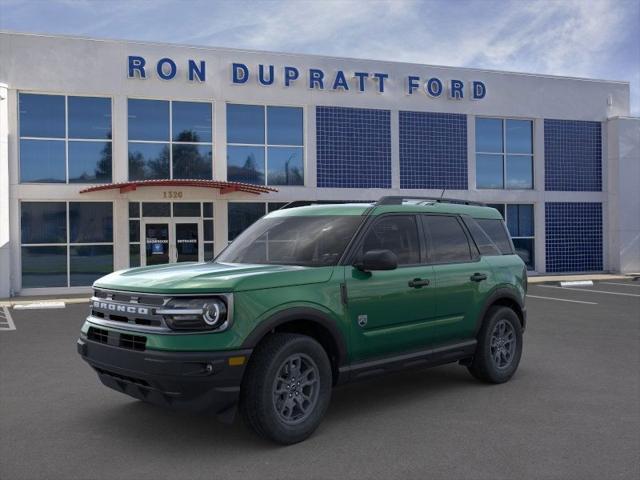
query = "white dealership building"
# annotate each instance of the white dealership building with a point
(116, 153)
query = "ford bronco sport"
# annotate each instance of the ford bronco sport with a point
(308, 298)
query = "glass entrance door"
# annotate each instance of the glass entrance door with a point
(156, 243)
(172, 240)
(188, 242)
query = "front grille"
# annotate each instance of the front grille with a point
(133, 342)
(122, 340)
(128, 308)
(98, 335)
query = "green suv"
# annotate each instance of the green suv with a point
(308, 298)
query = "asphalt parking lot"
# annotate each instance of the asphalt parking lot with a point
(571, 411)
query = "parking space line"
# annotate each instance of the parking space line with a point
(6, 322)
(591, 290)
(622, 284)
(561, 299)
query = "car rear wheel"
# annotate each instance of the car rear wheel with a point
(287, 388)
(499, 346)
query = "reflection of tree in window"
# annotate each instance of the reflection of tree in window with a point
(292, 175)
(151, 168)
(248, 172)
(188, 160)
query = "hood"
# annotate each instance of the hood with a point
(211, 277)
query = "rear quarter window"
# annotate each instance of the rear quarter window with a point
(497, 232)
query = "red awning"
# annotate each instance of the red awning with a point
(224, 187)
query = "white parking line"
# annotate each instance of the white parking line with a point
(590, 290)
(6, 322)
(622, 284)
(561, 299)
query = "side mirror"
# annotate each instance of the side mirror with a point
(377, 260)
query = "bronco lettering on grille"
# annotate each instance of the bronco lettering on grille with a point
(114, 307)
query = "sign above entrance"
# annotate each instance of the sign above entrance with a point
(286, 76)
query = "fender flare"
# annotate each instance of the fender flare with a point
(501, 293)
(299, 313)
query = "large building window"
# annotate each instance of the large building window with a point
(504, 153)
(65, 244)
(170, 140)
(520, 222)
(265, 144)
(65, 139)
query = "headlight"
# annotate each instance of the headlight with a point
(196, 314)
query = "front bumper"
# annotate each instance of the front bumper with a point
(195, 381)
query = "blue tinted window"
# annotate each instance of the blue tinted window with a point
(88, 263)
(489, 135)
(520, 220)
(489, 171)
(519, 171)
(191, 122)
(207, 210)
(245, 124)
(44, 267)
(89, 117)
(44, 222)
(134, 255)
(90, 222)
(192, 161)
(245, 164)
(284, 126)
(41, 115)
(285, 166)
(89, 162)
(242, 215)
(148, 161)
(519, 136)
(42, 161)
(148, 120)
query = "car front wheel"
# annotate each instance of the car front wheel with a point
(287, 388)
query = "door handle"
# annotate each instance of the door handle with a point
(418, 282)
(478, 277)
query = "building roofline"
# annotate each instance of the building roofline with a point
(291, 54)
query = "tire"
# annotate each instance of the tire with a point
(499, 346)
(277, 408)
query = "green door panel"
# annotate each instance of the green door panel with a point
(398, 317)
(460, 299)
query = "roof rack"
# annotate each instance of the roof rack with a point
(398, 200)
(304, 203)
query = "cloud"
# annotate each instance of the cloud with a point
(589, 38)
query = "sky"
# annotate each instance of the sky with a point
(579, 38)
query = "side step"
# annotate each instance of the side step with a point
(424, 358)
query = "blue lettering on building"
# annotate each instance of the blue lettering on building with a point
(197, 71)
(166, 73)
(290, 74)
(261, 76)
(345, 81)
(362, 78)
(340, 82)
(316, 77)
(136, 65)
(240, 73)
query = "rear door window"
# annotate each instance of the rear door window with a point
(447, 241)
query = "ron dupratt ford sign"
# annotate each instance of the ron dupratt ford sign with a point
(313, 78)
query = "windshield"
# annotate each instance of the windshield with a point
(313, 241)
